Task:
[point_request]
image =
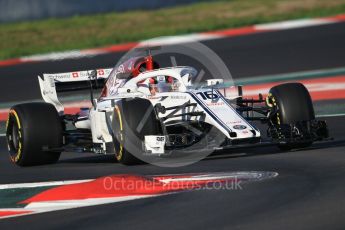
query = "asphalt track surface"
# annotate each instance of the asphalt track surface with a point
(307, 194)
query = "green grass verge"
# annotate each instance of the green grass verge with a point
(18, 39)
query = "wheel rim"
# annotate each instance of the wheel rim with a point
(13, 138)
(118, 134)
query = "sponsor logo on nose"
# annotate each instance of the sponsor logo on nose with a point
(240, 127)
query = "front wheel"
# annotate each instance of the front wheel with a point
(133, 120)
(291, 117)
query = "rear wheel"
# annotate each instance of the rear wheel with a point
(292, 115)
(33, 130)
(133, 120)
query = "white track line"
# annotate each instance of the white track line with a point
(294, 24)
(332, 115)
(2, 134)
(41, 184)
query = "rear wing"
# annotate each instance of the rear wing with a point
(77, 80)
(52, 83)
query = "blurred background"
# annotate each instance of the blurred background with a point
(23, 10)
(38, 26)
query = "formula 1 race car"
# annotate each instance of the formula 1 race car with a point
(147, 111)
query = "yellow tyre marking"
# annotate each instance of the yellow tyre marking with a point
(275, 104)
(278, 119)
(120, 153)
(268, 98)
(19, 152)
(17, 118)
(7, 121)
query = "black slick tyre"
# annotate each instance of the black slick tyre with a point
(34, 134)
